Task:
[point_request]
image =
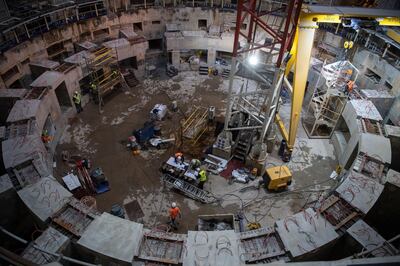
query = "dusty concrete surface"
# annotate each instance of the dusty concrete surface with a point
(100, 138)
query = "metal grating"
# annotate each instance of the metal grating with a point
(261, 245)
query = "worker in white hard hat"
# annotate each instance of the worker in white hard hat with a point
(174, 212)
(195, 163)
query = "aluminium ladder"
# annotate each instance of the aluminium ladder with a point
(187, 189)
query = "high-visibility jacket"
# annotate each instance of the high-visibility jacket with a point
(203, 176)
(77, 98)
(93, 87)
(174, 212)
(350, 85)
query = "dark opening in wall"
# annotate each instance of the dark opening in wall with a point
(155, 44)
(6, 105)
(138, 26)
(156, 22)
(170, 57)
(372, 76)
(57, 51)
(101, 33)
(223, 58)
(388, 85)
(136, 2)
(10, 73)
(16, 84)
(85, 36)
(63, 97)
(202, 23)
(130, 62)
(86, 11)
(26, 61)
(243, 26)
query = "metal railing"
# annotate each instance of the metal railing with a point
(22, 31)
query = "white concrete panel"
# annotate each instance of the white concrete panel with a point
(45, 63)
(21, 149)
(392, 131)
(50, 240)
(114, 237)
(392, 177)
(5, 183)
(360, 191)
(23, 109)
(48, 79)
(13, 93)
(366, 109)
(305, 232)
(45, 197)
(365, 235)
(212, 248)
(376, 146)
(78, 58)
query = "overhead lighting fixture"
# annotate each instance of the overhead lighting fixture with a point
(253, 60)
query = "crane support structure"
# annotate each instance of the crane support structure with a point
(289, 41)
(300, 53)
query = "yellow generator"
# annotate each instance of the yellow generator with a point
(277, 178)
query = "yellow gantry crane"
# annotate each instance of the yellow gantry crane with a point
(300, 53)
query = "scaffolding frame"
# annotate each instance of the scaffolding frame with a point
(106, 59)
(260, 113)
(329, 99)
(195, 125)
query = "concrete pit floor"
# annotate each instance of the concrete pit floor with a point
(101, 137)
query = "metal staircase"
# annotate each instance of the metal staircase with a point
(243, 144)
(131, 79)
(203, 70)
(187, 189)
(225, 73)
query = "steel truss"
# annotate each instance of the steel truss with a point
(258, 106)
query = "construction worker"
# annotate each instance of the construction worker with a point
(195, 163)
(94, 93)
(46, 138)
(349, 87)
(202, 178)
(174, 212)
(179, 157)
(77, 101)
(114, 74)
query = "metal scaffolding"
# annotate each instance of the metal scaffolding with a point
(329, 99)
(196, 124)
(104, 73)
(249, 108)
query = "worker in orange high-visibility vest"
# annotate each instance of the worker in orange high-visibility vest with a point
(349, 87)
(179, 157)
(174, 212)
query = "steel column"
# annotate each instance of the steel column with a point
(306, 33)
